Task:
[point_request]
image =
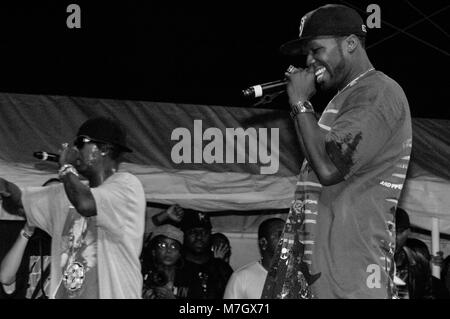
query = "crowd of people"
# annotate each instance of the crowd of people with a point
(182, 259)
(344, 235)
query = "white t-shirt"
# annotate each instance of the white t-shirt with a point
(93, 257)
(247, 282)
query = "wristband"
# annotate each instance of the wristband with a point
(301, 107)
(67, 168)
(25, 235)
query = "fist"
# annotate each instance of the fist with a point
(301, 84)
(68, 155)
(175, 213)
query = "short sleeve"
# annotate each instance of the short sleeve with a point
(360, 131)
(42, 203)
(120, 204)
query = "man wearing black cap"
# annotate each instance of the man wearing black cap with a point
(202, 276)
(339, 237)
(97, 229)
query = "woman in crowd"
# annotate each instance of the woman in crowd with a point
(161, 259)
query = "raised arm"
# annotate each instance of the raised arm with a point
(79, 194)
(311, 136)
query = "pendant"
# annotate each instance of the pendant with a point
(73, 276)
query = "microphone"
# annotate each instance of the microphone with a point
(261, 89)
(45, 156)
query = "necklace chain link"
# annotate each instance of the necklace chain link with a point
(353, 82)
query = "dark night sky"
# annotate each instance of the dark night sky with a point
(204, 54)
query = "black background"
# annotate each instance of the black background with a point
(207, 53)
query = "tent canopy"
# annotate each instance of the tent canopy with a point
(211, 158)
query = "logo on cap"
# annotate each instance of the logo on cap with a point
(302, 24)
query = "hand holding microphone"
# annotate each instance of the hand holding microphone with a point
(300, 80)
(67, 155)
(300, 84)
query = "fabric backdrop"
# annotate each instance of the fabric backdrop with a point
(31, 123)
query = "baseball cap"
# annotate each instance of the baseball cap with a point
(106, 130)
(168, 231)
(195, 219)
(328, 20)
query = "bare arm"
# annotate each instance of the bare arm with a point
(314, 144)
(12, 260)
(173, 213)
(301, 87)
(79, 194)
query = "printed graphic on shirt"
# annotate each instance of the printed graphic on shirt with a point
(78, 258)
(39, 279)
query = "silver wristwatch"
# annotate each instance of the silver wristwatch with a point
(301, 107)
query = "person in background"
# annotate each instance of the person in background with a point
(221, 247)
(38, 273)
(412, 262)
(248, 281)
(161, 260)
(202, 276)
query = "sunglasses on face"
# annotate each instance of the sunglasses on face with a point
(81, 140)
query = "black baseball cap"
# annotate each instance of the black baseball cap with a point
(106, 130)
(328, 20)
(195, 219)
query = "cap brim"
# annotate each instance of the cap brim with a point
(293, 47)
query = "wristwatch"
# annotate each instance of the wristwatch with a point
(301, 107)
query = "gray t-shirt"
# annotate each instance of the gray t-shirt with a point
(94, 257)
(339, 240)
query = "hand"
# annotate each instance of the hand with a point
(68, 155)
(220, 251)
(175, 213)
(301, 84)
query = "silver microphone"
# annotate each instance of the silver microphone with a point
(46, 156)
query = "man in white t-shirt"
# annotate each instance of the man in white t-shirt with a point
(248, 281)
(97, 228)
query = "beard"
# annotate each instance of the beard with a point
(335, 81)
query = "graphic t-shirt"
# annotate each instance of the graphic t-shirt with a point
(78, 258)
(98, 256)
(338, 241)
